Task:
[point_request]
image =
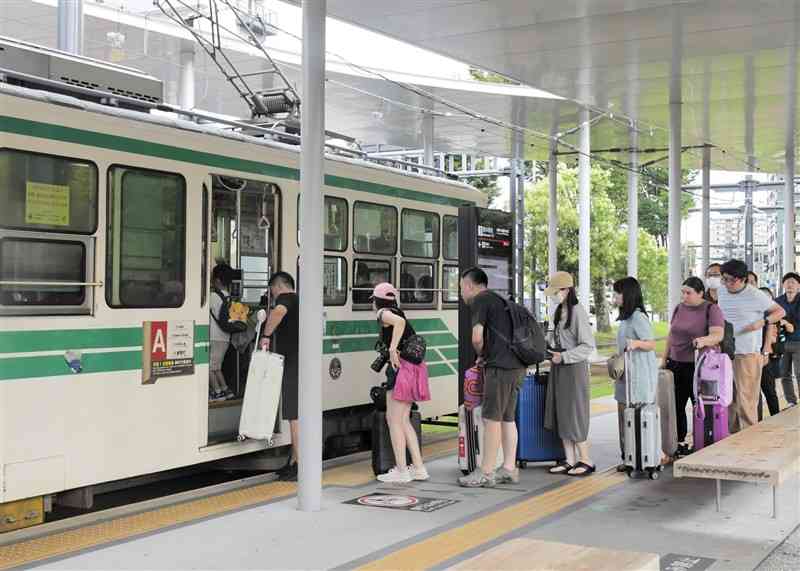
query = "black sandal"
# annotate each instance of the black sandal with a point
(587, 470)
(561, 468)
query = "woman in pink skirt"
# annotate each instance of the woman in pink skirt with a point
(406, 383)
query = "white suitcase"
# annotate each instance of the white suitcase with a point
(261, 396)
(470, 440)
(642, 432)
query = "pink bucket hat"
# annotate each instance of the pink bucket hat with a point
(385, 290)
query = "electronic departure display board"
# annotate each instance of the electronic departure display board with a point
(494, 248)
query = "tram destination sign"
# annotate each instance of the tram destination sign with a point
(167, 349)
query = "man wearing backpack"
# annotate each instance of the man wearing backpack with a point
(503, 373)
(748, 310)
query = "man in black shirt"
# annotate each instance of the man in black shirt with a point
(503, 374)
(283, 325)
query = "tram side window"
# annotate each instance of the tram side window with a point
(417, 283)
(334, 281)
(45, 261)
(47, 193)
(366, 275)
(374, 229)
(450, 279)
(146, 238)
(450, 238)
(335, 224)
(420, 232)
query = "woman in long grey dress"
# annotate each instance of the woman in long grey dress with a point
(635, 334)
(567, 407)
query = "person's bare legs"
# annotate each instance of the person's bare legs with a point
(412, 442)
(491, 445)
(395, 412)
(510, 438)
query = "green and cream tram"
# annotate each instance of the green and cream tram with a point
(110, 223)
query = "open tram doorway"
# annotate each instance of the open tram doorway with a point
(243, 234)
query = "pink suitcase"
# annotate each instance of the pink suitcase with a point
(710, 424)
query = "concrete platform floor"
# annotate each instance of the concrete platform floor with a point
(675, 518)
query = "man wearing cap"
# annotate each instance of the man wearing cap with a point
(503, 374)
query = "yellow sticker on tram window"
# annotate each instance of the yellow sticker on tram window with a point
(46, 204)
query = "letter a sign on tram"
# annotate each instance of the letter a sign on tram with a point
(167, 349)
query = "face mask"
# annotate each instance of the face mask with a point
(713, 282)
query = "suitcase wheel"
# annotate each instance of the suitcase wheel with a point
(523, 464)
(465, 472)
(241, 438)
(654, 475)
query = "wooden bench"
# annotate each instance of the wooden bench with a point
(524, 553)
(768, 452)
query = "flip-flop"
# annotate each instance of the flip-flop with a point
(561, 468)
(587, 470)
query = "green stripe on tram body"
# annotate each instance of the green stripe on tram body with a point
(147, 148)
(363, 333)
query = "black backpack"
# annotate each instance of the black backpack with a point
(224, 318)
(527, 340)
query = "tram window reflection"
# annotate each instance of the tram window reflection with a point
(146, 238)
(374, 229)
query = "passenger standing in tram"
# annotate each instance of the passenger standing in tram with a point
(567, 408)
(405, 384)
(695, 323)
(790, 302)
(283, 323)
(635, 335)
(221, 278)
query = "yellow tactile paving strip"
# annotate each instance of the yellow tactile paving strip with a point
(72, 541)
(454, 542)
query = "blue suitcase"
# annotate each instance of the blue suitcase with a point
(536, 443)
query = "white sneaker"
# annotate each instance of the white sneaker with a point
(420, 473)
(396, 476)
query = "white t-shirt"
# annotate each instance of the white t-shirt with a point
(215, 304)
(742, 309)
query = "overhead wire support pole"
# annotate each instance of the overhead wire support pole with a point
(312, 156)
(70, 26)
(790, 216)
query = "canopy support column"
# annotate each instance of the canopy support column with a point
(312, 154)
(633, 205)
(706, 208)
(70, 26)
(427, 138)
(584, 212)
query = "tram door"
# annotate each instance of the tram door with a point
(243, 223)
(484, 240)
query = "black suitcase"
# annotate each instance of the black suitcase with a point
(382, 452)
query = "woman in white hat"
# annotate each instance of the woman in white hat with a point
(405, 383)
(567, 408)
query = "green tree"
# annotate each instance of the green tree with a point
(486, 184)
(653, 199)
(604, 232)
